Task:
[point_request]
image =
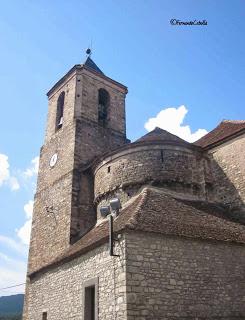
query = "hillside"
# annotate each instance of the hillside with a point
(11, 307)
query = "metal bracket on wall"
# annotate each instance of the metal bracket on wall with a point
(52, 210)
(111, 239)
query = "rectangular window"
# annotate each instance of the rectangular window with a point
(45, 316)
(90, 299)
(90, 303)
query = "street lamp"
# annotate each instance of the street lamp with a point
(111, 211)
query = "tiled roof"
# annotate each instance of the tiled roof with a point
(224, 131)
(170, 215)
(154, 210)
(159, 134)
(89, 63)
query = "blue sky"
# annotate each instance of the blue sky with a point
(183, 78)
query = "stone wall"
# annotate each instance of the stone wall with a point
(177, 278)
(169, 166)
(69, 88)
(93, 140)
(88, 85)
(51, 222)
(50, 234)
(156, 277)
(66, 188)
(63, 144)
(59, 292)
(64, 208)
(228, 168)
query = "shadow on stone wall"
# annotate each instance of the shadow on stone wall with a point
(216, 189)
(224, 193)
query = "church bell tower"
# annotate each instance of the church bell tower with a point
(86, 118)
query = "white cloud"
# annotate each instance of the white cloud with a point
(28, 208)
(13, 183)
(10, 261)
(12, 244)
(33, 169)
(12, 272)
(28, 176)
(171, 119)
(4, 168)
(25, 231)
(5, 177)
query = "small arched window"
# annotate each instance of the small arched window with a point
(60, 110)
(104, 101)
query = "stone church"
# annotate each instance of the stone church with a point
(174, 247)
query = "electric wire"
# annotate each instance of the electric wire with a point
(17, 285)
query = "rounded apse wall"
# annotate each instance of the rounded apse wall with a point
(176, 167)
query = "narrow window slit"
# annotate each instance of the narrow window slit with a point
(60, 111)
(161, 155)
(103, 106)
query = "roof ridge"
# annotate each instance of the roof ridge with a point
(224, 131)
(134, 219)
(159, 134)
(232, 121)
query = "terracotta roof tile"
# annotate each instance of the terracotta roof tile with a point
(159, 134)
(165, 214)
(224, 131)
(154, 210)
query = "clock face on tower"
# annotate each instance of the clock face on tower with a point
(53, 160)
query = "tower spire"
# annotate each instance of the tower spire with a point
(90, 63)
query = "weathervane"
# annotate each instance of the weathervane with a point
(89, 50)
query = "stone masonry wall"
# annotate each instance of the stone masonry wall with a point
(155, 278)
(93, 140)
(50, 234)
(176, 278)
(229, 170)
(64, 187)
(63, 208)
(173, 167)
(88, 85)
(69, 88)
(53, 199)
(63, 144)
(59, 292)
